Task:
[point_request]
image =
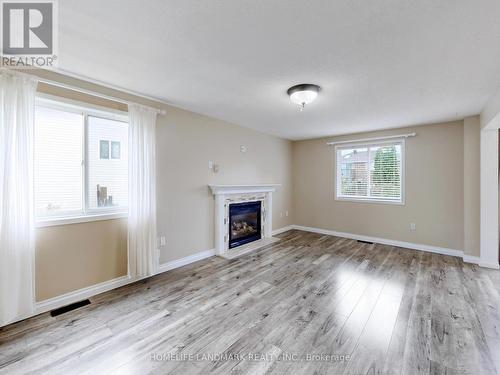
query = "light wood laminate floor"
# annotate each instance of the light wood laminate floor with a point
(308, 304)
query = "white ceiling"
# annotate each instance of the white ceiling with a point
(381, 63)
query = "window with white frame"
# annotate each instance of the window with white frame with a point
(72, 176)
(370, 172)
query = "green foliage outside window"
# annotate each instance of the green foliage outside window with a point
(385, 175)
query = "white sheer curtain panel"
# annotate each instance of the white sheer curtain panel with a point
(143, 255)
(17, 107)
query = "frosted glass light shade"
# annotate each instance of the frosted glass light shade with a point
(303, 94)
(303, 97)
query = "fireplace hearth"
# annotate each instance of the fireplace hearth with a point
(244, 223)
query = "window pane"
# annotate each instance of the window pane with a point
(107, 176)
(353, 167)
(115, 150)
(104, 149)
(58, 162)
(385, 169)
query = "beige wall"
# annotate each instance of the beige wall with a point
(186, 141)
(70, 257)
(185, 144)
(434, 189)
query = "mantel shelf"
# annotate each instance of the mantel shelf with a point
(242, 189)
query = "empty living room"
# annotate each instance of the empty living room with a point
(249, 187)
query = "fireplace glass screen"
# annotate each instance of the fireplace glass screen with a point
(244, 223)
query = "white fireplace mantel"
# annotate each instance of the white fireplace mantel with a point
(243, 189)
(227, 194)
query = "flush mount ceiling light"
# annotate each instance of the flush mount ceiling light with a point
(303, 94)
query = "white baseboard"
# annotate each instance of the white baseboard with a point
(432, 249)
(80, 294)
(494, 266)
(282, 230)
(384, 241)
(186, 260)
(471, 259)
(84, 293)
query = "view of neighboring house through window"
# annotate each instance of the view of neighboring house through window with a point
(370, 172)
(108, 165)
(81, 160)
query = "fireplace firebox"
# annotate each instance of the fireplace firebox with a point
(244, 223)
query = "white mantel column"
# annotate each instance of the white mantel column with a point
(269, 215)
(219, 223)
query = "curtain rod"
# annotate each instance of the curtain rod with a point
(91, 93)
(373, 139)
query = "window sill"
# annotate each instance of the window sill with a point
(56, 221)
(368, 200)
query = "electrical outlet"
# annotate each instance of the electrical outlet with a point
(163, 241)
(413, 227)
(243, 148)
